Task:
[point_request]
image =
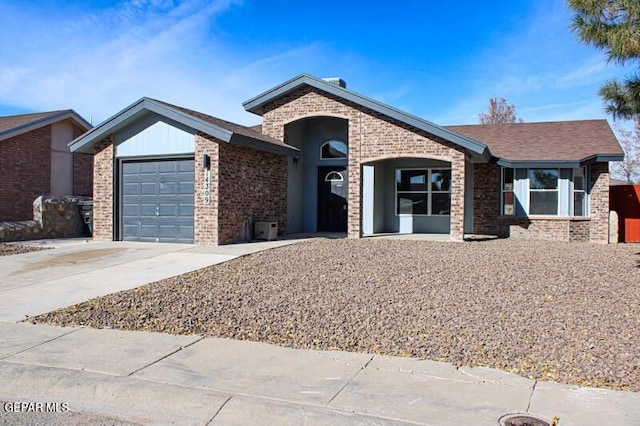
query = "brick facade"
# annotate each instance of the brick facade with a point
(252, 187)
(25, 162)
(486, 198)
(205, 220)
(545, 228)
(103, 181)
(599, 203)
(372, 137)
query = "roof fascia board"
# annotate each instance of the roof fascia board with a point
(524, 164)
(131, 112)
(603, 158)
(565, 164)
(33, 125)
(111, 124)
(248, 142)
(255, 105)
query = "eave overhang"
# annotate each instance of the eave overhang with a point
(86, 142)
(560, 164)
(45, 121)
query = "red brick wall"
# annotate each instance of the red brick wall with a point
(486, 198)
(252, 187)
(25, 167)
(372, 137)
(103, 191)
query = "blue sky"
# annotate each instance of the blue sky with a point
(441, 61)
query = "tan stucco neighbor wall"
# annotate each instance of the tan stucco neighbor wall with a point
(372, 137)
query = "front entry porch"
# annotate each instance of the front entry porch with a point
(406, 196)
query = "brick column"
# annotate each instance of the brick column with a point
(103, 212)
(205, 216)
(456, 231)
(599, 203)
(354, 221)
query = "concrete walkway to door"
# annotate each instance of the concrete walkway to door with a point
(78, 270)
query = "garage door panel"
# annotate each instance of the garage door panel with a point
(129, 210)
(167, 167)
(147, 188)
(149, 168)
(129, 168)
(186, 166)
(167, 188)
(157, 201)
(186, 188)
(147, 231)
(168, 210)
(130, 188)
(131, 232)
(185, 210)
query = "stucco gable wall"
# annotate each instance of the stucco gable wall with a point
(372, 137)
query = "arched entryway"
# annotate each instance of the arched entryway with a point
(318, 180)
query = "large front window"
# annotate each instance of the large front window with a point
(421, 192)
(543, 191)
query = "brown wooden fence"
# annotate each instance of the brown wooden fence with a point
(625, 200)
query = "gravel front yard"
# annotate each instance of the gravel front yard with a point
(551, 311)
(9, 249)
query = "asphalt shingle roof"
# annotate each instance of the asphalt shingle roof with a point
(13, 122)
(250, 132)
(548, 141)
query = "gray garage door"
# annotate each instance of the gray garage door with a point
(157, 201)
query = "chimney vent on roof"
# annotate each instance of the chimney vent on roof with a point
(337, 81)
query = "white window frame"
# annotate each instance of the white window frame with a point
(503, 191)
(557, 191)
(322, 158)
(566, 192)
(573, 191)
(428, 191)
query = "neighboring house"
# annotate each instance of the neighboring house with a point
(328, 159)
(35, 159)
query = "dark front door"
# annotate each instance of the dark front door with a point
(332, 199)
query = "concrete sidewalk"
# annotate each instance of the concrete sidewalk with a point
(130, 377)
(78, 270)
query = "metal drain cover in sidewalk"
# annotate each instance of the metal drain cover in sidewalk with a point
(522, 420)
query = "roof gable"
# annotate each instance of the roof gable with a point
(257, 105)
(15, 125)
(212, 126)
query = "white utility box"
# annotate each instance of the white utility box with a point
(266, 230)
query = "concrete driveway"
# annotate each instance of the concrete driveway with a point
(77, 270)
